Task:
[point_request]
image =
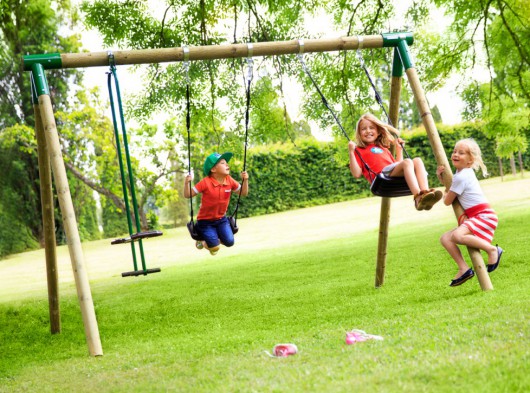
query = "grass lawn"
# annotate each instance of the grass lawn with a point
(306, 277)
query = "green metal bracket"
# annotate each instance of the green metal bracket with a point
(393, 39)
(404, 54)
(39, 79)
(49, 61)
(34, 95)
(397, 65)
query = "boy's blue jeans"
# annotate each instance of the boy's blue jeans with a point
(215, 231)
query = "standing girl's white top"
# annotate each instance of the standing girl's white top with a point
(466, 186)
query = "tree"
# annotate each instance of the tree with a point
(504, 28)
(507, 145)
(214, 82)
(90, 151)
(28, 27)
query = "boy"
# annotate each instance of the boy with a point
(216, 188)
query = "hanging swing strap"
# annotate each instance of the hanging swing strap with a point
(300, 56)
(186, 65)
(376, 92)
(250, 66)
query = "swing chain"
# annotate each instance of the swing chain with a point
(112, 60)
(360, 40)
(186, 63)
(377, 95)
(300, 54)
(322, 97)
(250, 62)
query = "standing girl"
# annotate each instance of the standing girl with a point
(372, 141)
(479, 221)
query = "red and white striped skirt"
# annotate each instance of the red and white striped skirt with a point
(481, 220)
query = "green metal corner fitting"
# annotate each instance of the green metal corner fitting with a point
(393, 39)
(48, 61)
(39, 82)
(400, 41)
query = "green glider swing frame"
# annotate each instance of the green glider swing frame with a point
(139, 235)
(37, 64)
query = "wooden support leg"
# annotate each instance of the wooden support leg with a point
(384, 219)
(382, 243)
(70, 225)
(441, 159)
(48, 224)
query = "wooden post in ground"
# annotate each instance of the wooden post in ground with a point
(67, 212)
(48, 220)
(441, 158)
(384, 218)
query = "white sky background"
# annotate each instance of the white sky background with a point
(446, 98)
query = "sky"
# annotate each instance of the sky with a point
(447, 100)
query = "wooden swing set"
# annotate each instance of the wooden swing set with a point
(50, 154)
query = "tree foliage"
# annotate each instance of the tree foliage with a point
(28, 27)
(217, 86)
(504, 28)
(479, 32)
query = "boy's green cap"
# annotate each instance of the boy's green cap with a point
(213, 159)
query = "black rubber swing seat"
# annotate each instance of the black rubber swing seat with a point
(387, 186)
(141, 272)
(196, 236)
(137, 236)
(193, 231)
(233, 224)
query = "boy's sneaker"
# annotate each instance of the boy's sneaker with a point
(214, 250)
(199, 245)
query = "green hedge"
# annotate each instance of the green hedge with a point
(15, 237)
(285, 177)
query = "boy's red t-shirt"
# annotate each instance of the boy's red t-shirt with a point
(376, 157)
(215, 197)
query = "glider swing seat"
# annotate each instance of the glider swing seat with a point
(139, 235)
(381, 184)
(232, 219)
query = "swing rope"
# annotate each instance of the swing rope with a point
(376, 92)
(382, 185)
(186, 65)
(300, 56)
(394, 186)
(250, 66)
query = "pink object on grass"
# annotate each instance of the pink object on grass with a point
(284, 350)
(357, 336)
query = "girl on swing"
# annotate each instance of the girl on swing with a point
(372, 141)
(216, 188)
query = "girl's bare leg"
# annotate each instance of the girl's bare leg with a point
(462, 235)
(405, 169)
(452, 248)
(421, 173)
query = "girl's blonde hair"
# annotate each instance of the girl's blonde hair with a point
(385, 137)
(475, 153)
